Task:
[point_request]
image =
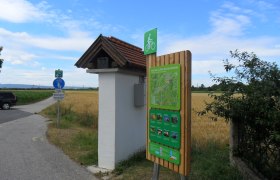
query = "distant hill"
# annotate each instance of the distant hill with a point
(24, 86)
(27, 86)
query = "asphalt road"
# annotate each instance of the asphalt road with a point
(12, 114)
(26, 154)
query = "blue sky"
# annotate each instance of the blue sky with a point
(41, 36)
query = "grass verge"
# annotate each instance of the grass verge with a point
(208, 162)
(75, 135)
(31, 96)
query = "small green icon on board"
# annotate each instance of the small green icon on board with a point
(150, 42)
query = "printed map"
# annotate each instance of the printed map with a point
(164, 87)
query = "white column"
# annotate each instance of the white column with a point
(106, 121)
(121, 125)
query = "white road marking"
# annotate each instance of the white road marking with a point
(38, 139)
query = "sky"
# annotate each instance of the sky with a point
(41, 36)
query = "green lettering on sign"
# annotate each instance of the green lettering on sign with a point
(164, 152)
(150, 42)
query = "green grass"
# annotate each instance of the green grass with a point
(209, 162)
(78, 138)
(31, 96)
(132, 161)
(212, 162)
(87, 142)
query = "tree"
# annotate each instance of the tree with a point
(1, 60)
(256, 85)
(251, 97)
(202, 86)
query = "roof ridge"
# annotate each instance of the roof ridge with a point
(131, 46)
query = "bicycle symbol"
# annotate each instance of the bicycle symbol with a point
(151, 45)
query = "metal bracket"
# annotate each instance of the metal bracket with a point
(156, 171)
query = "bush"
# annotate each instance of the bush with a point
(251, 98)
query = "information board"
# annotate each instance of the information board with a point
(165, 87)
(169, 111)
(165, 127)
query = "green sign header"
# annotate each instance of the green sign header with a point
(150, 42)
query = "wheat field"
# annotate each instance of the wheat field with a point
(203, 129)
(81, 101)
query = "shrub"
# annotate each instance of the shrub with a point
(251, 98)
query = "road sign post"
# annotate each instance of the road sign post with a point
(58, 84)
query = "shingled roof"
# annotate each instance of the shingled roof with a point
(124, 54)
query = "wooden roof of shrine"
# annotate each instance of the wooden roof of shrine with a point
(123, 54)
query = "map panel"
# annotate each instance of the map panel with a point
(164, 87)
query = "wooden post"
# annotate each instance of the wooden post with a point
(233, 140)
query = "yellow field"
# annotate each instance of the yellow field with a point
(203, 129)
(81, 101)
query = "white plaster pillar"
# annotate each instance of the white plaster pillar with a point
(121, 125)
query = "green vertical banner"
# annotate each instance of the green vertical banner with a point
(150, 42)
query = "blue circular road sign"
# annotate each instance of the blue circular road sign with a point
(58, 83)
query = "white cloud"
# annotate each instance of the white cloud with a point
(229, 26)
(204, 66)
(216, 45)
(18, 56)
(76, 42)
(229, 33)
(230, 20)
(20, 11)
(45, 76)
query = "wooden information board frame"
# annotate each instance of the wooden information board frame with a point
(184, 59)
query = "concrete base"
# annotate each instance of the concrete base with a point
(95, 169)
